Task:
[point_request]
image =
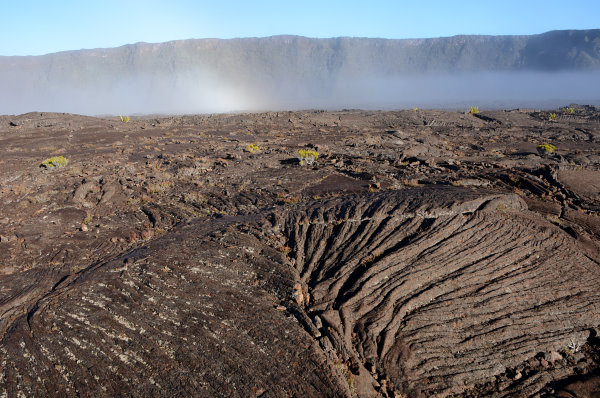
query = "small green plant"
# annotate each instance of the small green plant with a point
(307, 157)
(552, 116)
(474, 110)
(570, 111)
(55, 161)
(415, 109)
(546, 149)
(124, 119)
(252, 148)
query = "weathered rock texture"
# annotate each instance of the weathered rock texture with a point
(424, 254)
(186, 315)
(441, 289)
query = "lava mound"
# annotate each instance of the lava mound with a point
(441, 290)
(423, 291)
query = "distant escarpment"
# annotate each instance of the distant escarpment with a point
(283, 72)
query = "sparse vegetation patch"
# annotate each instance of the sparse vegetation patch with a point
(55, 162)
(307, 157)
(546, 149)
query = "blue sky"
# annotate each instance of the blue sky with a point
(34, 27)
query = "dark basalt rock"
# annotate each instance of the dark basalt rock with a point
(437, 289)
(153, 266)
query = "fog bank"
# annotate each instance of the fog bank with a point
(209, 92)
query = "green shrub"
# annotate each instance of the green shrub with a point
(546, 149)
(307, 157)
(570, 111)
(125, 119)
(252, 148)
(56, 161)
(552, 116)
(474, 110)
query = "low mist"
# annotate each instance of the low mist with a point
(206, 92)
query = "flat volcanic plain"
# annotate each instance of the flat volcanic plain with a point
(424, 253)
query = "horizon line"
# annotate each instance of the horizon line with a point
(294, 36)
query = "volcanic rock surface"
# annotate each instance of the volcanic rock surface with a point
(424, 253)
